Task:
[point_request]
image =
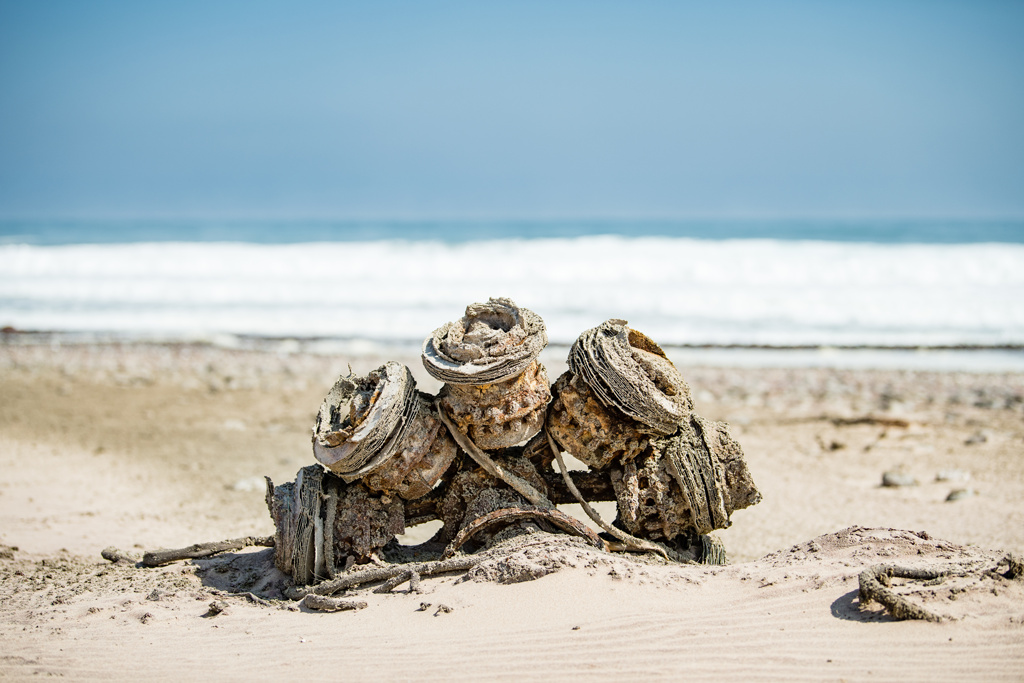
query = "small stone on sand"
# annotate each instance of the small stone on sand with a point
(896, 478)
(959, 494)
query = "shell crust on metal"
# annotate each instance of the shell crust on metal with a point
(494, 341)
(630, 372)
(363, 420)
(502, 414)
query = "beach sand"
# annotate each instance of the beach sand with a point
(146, 446)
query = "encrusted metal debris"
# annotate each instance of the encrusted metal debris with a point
(623, 407)
(491, 343)
(495, 390)
(363, 420)
(481, 455)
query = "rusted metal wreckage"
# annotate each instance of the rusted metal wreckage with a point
(482, 454)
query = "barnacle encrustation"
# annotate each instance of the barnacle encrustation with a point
(691, 481)
(627, 370)
(623, 406)
(594, 434)
(495, 390)
(378, 428)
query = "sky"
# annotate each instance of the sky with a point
(511, 110)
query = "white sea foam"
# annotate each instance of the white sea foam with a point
(679, 291)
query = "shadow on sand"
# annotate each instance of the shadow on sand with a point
(849, 608)
(246, 571)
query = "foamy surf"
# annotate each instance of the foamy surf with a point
(679, 291)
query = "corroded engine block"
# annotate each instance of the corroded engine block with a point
(478, 456)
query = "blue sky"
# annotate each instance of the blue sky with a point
(387, 109)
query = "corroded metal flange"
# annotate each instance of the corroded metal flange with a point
(628, 371)
(380, 429)
(491, 343)
(363, 420)
(420, 460)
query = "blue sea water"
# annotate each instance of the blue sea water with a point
(905, 231)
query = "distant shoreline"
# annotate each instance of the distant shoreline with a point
(970, 358)
(100, 337)
(66, 232)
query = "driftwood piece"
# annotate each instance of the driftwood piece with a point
(331, 496)
(556, 517)
(870, 420)
(874, 586)
(307, 551)
(116, 556)
(326, 604)
(411, 575)
(322, 523)
(631, 542)
(156, 558)
(298, 524)
(375, 574)
(520, 485)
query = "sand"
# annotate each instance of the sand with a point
(148, 446)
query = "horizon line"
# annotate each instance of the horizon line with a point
(499, 219)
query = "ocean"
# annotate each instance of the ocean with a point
(714, 284)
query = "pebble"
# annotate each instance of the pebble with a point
(216, 607)
(960, 494)
(898, 479)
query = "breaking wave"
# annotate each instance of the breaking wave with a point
(677, 290)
